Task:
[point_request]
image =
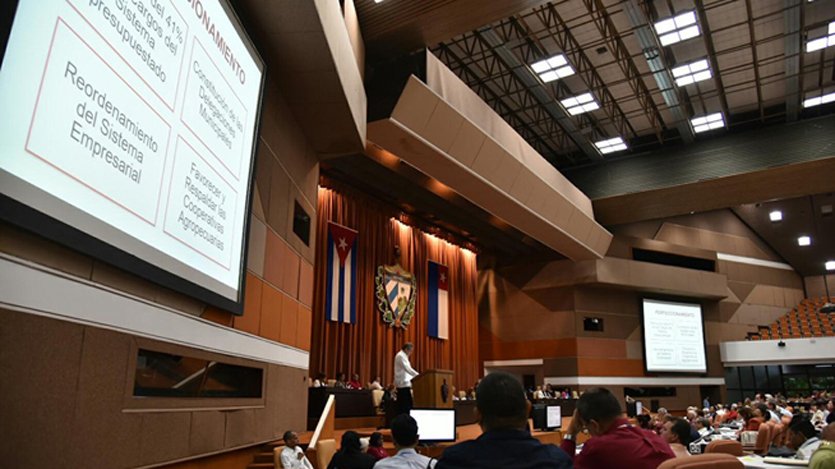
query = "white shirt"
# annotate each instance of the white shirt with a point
(290, 459)
(807, 448)
(375, 385)
(405, 458)
(403, 371)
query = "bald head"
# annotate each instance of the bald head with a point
(828, 432)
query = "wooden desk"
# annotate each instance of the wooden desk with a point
(349, 402)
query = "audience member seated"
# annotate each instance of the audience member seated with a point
(614, 442)
(375, 385)
(824, 457)
(644, 420)
(506, 441)
(703, 426)
(733, 414)
(676, 432)
(292, 456)
(659, 420)
(404, 431)
(355, 382)
(830, 408)
(350, 455)
(802, 438)
(321, 380)
(375, 446)
(341, 382)
(538, 394)
(751, 422)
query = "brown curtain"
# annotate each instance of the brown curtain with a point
(368, 347)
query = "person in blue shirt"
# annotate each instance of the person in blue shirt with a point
(506, 442)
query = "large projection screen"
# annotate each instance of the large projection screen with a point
(129, 134)
(674, 340)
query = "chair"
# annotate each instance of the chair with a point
(734, 448)
(325, 449)
(703, 461)
(763, 439)
(277, 457)
(377, 397)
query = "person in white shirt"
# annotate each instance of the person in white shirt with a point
(292, 456)
(803, 439)
(404, 432)
(403, 374)
(538, 394)
(375, 385)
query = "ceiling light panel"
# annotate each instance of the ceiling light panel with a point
(708, 122)
(804, 241)
(775, 215)
(822, 42)
(830, 265)
(611, 145)
(692, 72)
(678, 28)
(553, 68)
(817, 98)
(580, 104)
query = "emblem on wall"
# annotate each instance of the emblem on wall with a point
(396, 290)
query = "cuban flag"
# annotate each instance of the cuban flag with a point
(438, 307)
(341, 282)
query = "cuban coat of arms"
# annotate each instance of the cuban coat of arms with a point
(396, 291)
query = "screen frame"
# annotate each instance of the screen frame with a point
(454, 425)
(38, 223)
(682, 301)
(547, 427)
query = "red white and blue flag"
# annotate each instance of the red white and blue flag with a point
(341, 282)
(438, 308)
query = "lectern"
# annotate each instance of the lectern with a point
(433, 389)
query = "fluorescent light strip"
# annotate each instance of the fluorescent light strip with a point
(580, 104)
(611, 145)
(692, 72)
(708, 122)
(552, 68)
(678, 28)
(818, 100)
(822, 42)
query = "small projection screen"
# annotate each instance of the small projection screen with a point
(129, 134)
(674, 340)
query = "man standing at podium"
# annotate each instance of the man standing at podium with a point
(403, 374)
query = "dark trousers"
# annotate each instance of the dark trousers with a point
(404, 400)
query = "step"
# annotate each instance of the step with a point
(265, 457)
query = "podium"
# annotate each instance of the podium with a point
(427, 388)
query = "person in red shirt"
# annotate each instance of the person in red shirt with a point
(614, 442)
(355, 382)
(375, 446)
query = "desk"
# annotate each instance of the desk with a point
(464, 413)
(349, 402)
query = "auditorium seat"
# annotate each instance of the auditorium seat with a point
(325, 449)
(734, 448)
(377, 397)
(802, 321)
(277, 457)
(703, 461)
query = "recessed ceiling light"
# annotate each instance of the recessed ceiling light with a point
(580, 104)
(775, 215)
(678, 28)
(611, 145)
(378, 1)
(708, 122)
(817, 98)
(822, 42)
(830, 265)
(804, 241)
(552, 68)
(692, 72)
